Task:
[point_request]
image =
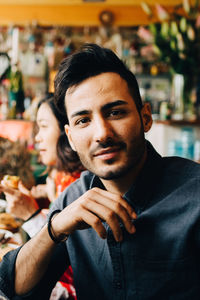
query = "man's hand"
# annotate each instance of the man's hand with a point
(91, 209)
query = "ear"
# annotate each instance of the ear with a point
(146, 116)
(68, 133)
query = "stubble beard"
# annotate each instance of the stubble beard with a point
(134, 157)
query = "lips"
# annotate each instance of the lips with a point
(42, 150)
(108, 153)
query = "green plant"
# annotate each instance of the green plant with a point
(175, 37)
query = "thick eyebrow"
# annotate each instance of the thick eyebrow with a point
(105, 107)
(80, 113)
(113, 104)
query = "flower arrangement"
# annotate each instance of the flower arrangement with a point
(175, 39)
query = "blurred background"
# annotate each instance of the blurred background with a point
(158, 40)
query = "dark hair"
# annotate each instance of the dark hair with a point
(90, 61)
(67, 159)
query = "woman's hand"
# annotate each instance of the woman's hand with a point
(20, 202)
(47, 190)
(39, 191)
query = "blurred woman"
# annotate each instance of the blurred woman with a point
(63, 164)
(64, 167)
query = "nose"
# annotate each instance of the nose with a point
(103, 130)
(37, 137)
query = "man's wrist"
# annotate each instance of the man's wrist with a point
(55, 238)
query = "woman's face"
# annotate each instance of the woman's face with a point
(48, 134)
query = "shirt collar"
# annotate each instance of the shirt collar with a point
(96, 182)
(142, 189)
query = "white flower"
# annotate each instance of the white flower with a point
(162, 13)
(180, 42)
(146, 8)
(190, 33)
(186, 6)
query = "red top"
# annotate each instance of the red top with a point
(63, 180)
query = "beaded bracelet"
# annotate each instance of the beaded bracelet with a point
(63, 237)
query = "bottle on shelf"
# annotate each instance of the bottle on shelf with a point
(184, 146)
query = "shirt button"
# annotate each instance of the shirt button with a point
(116, 268)
(118, 285)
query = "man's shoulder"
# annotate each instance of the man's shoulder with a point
(172, 166)
(179, 171)
(77, 188)
(83, 183)
(183, 166)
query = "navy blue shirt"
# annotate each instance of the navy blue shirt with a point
(159, 261)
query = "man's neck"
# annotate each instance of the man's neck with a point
(121, 185)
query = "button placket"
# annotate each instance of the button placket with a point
(115, 253)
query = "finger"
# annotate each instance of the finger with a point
(10, 208)
(9, 197)
(23, 189)
(8, 190)
(117, 198)
(106, 214)
(115, 206)
(92, 220)
(83, 220)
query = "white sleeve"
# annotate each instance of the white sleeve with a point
(34, 225)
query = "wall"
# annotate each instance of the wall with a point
(85, 14)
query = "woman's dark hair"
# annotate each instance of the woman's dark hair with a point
(67, 159)
(90, 61)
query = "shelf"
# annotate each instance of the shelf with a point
(178, 122)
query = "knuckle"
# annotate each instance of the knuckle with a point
(85, 202)
(79, 207)
(96, 222)
(117, 206)
(111, 215)
(93, 191)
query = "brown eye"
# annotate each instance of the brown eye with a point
(116, 113)
(82, 121)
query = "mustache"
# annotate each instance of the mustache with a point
(109, 143)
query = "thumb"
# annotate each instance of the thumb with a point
(23, 189)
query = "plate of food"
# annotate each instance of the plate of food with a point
(5, 236)
(8, 222)
(7, 242)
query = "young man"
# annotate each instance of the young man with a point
(130, 225)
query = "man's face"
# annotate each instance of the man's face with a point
(105, 128)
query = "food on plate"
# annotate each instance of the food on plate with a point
(8, 222)
(5, 236)
(11, 181)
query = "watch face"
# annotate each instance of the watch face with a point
(4, 63)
